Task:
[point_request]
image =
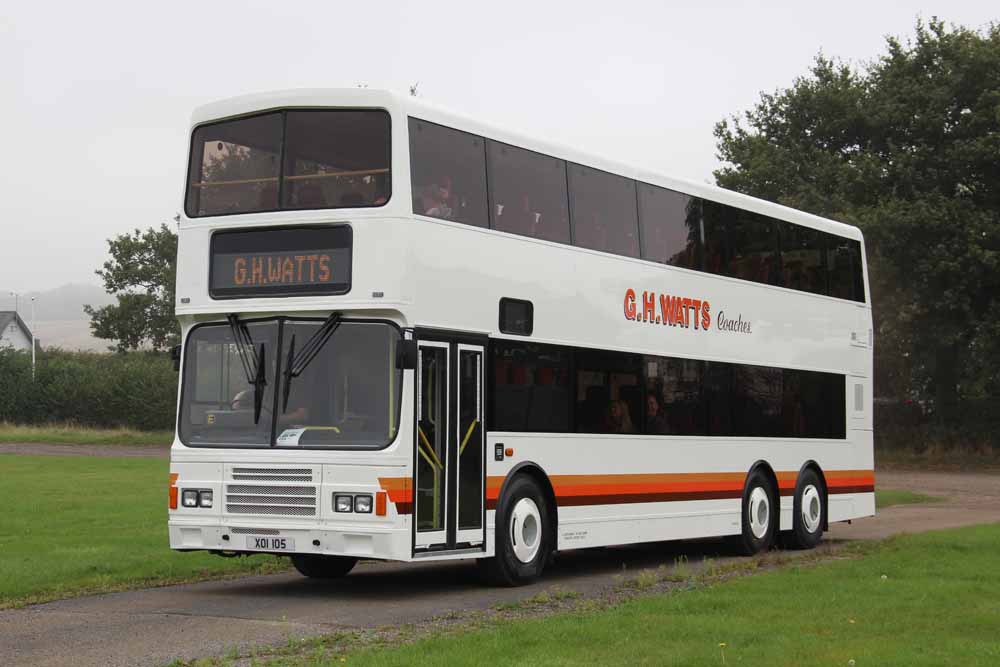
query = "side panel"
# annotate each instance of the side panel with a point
(621, 489)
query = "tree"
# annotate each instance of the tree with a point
(141, 275)
(906, 148)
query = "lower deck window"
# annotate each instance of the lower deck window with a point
(548, 388)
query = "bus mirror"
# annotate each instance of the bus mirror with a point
(406, 355)
(175, 356)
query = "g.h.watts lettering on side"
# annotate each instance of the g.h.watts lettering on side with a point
(679, 311)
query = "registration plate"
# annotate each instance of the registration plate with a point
(270, 543)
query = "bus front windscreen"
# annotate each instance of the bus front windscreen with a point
(332, 384)
(294, 159)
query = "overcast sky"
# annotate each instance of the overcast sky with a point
(97, 96)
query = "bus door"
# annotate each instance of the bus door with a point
(449, 451)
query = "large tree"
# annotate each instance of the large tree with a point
(141, 274)
(908, 148)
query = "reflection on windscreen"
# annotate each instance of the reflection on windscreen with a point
(218, 402)
(348, 395)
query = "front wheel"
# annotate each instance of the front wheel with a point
(315, 566)
(523, 536)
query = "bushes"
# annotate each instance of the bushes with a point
(133, 389)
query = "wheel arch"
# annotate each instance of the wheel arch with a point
(768, 471)
(538, 474)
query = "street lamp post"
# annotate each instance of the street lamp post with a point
(32, 339)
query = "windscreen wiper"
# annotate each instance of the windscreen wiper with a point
(297, 363)
(252, 361)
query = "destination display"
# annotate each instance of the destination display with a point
(288, 261)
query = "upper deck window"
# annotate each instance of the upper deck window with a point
(604, 211)
(671, 227)
(306, 159)
(528, 193)
(448, 168)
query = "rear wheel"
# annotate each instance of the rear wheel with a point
(315, 566)
(523, 536)
(807, 514)
(760, 514)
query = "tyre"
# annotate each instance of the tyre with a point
(760, 514)
(315, 566)
(523, 536)
(807, 512)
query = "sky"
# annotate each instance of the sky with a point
(97, 96)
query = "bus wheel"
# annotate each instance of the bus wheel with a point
(315, 566)
(807, 513)
(760, 514)
(523, 536)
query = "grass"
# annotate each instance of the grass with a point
(889, 497)
(79, 435)
(927, 599)
(73, 525)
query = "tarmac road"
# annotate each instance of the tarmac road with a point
(155, 626)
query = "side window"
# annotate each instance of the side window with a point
(528, 193)
(448, 170)
(516, 317)
(609, 393)
(673, 402)
(717, 397)
(844, 263)
(754, 243)
(803, 258)
(603, 211)
(757, 404)
(717, 221)
(530, 388)
(671, 227)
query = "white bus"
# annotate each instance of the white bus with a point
(411, 336)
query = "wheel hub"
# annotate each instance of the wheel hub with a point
(526, 530)
(811, 508)
(759, 512)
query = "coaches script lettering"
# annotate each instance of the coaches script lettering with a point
(676, 311)
(739, 325)
(282, 269)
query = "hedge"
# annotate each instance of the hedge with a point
(134, 389)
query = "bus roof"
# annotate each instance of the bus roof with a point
(412, 106)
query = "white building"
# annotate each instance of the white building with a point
(13, 331)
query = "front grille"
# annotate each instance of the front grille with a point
(273, 474)
(289, 499)
(255, 531)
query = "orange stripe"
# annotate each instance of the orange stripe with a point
(662, 487)
(400, 492)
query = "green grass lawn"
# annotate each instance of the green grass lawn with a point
(929, 599)
(890, 497)
(75, 524)
(78, 435)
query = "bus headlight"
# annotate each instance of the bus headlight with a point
(363, 504)
(343, 503)
(205, 498)
(189, 498)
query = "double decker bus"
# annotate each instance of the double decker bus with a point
(412, 336)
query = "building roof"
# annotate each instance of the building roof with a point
(8, 316)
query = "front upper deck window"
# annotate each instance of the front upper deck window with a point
(297, 159)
